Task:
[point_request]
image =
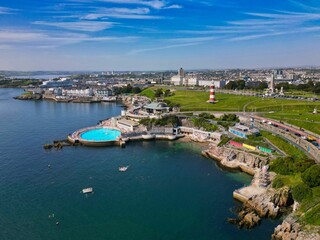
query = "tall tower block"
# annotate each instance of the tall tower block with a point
(212, 94)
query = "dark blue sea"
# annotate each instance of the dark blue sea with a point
(169, 191)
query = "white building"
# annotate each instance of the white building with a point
(88, 92)
(217, 83)
(182, 80)
(177, 80)
(102, 92)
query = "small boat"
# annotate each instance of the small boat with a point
(87, 190)
(123, 169)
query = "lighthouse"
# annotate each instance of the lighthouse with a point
(212, 98)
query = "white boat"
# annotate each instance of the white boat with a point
(87, 190)
(123, 169)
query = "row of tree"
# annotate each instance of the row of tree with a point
(310, 86)
(241, 84)
(126, 90)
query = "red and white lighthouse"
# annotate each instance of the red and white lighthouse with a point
(212, 94)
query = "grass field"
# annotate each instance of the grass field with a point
(295, 112)
(304, 119)
(283, 145)
(148, 93)
(197, 101)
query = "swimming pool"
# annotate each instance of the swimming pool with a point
(100, 134)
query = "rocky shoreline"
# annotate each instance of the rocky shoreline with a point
(261, 201)
(291, 229)
(270, 204)
(26, 96)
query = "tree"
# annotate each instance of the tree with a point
(136, 90)
(301, 191)
(158, 92)
(231, 85)
(312, 176)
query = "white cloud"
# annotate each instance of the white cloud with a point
(124, 13)
(43, 39)
(157, 4)
(276, 33)
(88, 26)
(5, 10)
(260, 25)
(179, 42)
(194, 39)
(163, 47)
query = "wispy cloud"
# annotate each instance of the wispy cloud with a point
(88, 26)
(193, 39)
(163, 47)
(262, 25)
(124, 13)
(303, 6)
(270, 34)
(5, 10)
(216, 3)
(53, 39)
(178, 43)
(157, 4)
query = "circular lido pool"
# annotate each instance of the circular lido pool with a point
(100, 135)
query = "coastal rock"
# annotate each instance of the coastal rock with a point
(290, 229)
(25, 96)
(283, 197)
(250, 220)
(269, 203)
(247, 218)
(264, 205)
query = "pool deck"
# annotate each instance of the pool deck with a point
(121, 140)
(76, 137)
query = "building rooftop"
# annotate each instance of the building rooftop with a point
(156, 106)
(128, 122)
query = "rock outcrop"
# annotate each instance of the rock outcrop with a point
(35, 96)
(292, 230)
(233, 157)
(268, 204)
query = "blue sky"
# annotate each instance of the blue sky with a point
(158, 34)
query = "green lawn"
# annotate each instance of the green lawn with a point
(197, 101)
(149, 92)
(283, 145)
(305, 120)
(295, 112)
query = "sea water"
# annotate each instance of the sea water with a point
(168, 192)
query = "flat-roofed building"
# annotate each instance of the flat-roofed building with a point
(156, 107)
(126, 124)
(243, 131)
(217, 83)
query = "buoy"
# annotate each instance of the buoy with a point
(57, 223)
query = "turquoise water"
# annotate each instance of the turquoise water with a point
(101, 134)
(168, 192)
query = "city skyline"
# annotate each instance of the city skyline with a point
(158, 35)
